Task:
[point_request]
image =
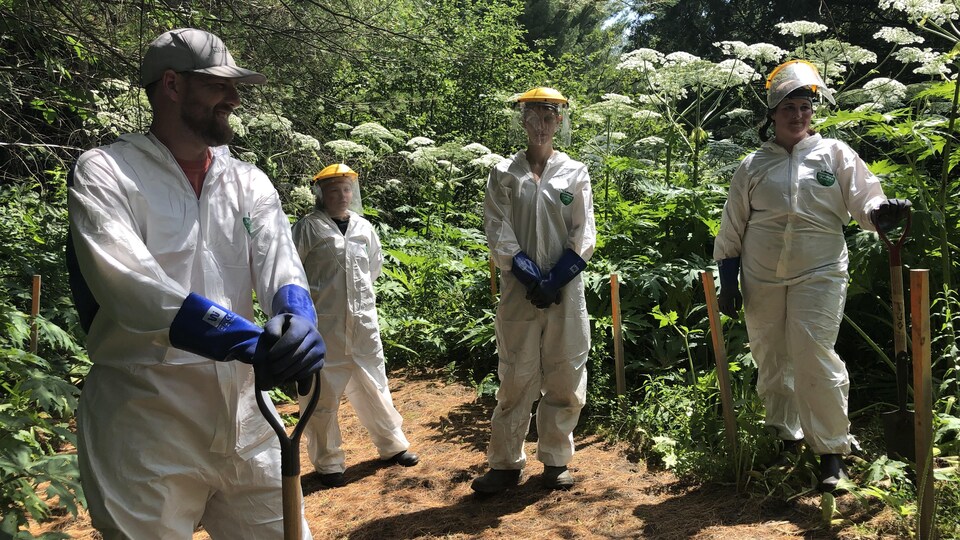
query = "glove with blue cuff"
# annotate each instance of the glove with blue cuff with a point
(730, 300)
(213, 331)
(547, 291)
(291, 348)
(526, 271)
(288, 348)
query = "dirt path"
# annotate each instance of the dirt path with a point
(449, 428)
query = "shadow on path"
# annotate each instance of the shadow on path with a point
(691, 512)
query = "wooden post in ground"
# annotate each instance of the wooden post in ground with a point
(617, 335)
(493, 278)
(922, 401)
(34, 313)
(720, 355)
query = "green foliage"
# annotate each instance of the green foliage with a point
(412, 95)
(38, 404)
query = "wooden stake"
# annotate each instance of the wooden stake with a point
(922, 401)
(34, 312)
(720, 355)
(617, 336)
(493, 278)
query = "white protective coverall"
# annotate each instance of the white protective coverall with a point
(168, 439)
(784, 217)
(543, 352)
(341, 269)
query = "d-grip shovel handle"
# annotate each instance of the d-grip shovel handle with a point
(899, 320)
(290, 445)
(290, 458)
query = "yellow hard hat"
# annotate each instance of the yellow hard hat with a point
(334, 171)
(542, 94)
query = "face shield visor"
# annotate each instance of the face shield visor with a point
(337, 190)
(542, 114)
(793, 75)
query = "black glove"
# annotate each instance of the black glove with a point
(542, 297)
(730, 300)
(889, 213)
(290, 349)
(547, 291)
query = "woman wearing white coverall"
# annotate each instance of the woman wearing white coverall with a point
(169, 238)
(538, 218)
(782, 230)
(341, 254)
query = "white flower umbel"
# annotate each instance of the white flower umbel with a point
(735, 72)
(897, 36)
(302, 196)
(418, 142)
(641, 60)
(342, 127)
(919, 11)
(486, 162)
(763, 53)
(914, 55)
(931, 63)
(476, 149)
(739, 113)
(801, 28)
(888, 93)
(303, 141)
(652, 140)
(372, 130)
(270, 122)
(344, 148)
(611, 106)
(644, 115)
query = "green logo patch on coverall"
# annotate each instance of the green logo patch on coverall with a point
(566, 197)
(826, 178)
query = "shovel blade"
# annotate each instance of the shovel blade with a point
(898, 434)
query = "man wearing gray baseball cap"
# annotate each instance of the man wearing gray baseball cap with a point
(170, 236)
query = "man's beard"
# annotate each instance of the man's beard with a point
(207, 126)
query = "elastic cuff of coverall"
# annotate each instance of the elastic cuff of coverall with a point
(821, 447)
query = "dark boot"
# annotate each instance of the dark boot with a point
(831, 471)
(557, 477)
(405, 459)
(333, 480)
(496, 481)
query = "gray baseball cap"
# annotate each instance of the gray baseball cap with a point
(189, 49)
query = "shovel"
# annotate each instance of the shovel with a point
(290, 460)
(898, 424)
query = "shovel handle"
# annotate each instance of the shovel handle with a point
(899, 317)
(894, 247)
(290, 458)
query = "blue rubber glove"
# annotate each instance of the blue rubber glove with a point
(547, 291)
(290, 349)
(730, 300)
(212, 331)
(296, 300)
(526, 271)
(889, 213)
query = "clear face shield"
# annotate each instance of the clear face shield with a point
(540, 122)
(337, 194)
(792, 75)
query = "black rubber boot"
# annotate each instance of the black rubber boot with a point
(404, 459)
(831, 471)
(557, 477)
(496, 481)
(333, 480)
